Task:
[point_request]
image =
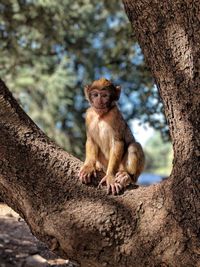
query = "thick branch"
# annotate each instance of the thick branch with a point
(154, 226)
(39, 180)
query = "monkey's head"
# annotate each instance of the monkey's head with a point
(102, 94)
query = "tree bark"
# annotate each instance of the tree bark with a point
(146, 226)
(169, 35)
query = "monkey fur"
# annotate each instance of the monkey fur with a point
(110, 145)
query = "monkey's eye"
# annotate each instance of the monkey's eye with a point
(95, 95)
(105, 95)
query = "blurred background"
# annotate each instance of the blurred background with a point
(50, 50)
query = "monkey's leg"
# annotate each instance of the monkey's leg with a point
(100, 167)
(101, 163)
(131, 166)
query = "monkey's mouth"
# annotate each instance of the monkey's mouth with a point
(101, 107)
(101, 110)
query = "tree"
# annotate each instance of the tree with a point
(50, 51)
(149, 226)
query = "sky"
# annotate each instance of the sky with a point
(141, 132)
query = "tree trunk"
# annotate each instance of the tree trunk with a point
(147, 226)
(169, 35)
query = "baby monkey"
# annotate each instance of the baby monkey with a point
(110, 145)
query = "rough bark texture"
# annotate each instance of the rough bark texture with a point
(146, 226)
(169, 34)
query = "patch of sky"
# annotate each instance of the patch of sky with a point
(142, 132)
(149, 178)
(138, 58)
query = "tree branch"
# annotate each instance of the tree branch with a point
(39, 181)
(147, 226)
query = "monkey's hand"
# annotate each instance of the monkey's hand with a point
(123, 178)
(86, 172)
(112, 186)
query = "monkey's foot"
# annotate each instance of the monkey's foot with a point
(123, 178)
(86, 172)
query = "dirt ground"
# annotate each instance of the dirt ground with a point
(19, 248)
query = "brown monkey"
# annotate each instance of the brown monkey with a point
(110, 145)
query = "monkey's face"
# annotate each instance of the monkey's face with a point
(101, 100)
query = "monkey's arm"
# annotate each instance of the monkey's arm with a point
(91, 151)
(88, 169)
(116, 153)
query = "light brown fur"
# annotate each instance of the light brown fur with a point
(110, 146)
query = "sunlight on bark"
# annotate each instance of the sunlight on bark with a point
(178, 42)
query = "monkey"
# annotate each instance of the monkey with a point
(110, 145)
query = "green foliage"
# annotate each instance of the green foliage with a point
(159, 155)
(51, 49)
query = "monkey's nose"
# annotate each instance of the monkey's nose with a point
(99, 100)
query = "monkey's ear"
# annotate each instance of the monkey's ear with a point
(86, 92)
(118, 92)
